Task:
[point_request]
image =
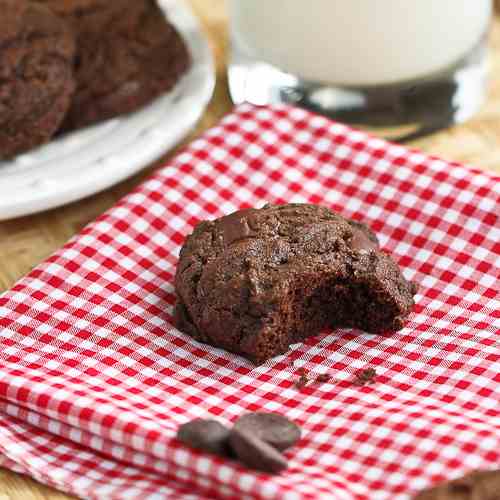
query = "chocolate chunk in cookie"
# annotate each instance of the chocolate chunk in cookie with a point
(259, 280)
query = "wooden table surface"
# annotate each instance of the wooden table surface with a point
(25, 242)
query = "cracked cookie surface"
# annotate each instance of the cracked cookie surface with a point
(36, 75)
(256, 281)
(128, 55)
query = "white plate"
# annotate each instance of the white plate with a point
(88, 161)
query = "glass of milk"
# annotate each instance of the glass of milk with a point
(398, 67)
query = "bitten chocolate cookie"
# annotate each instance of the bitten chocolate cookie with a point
(36, 75)
(256, 281)
(128, 55)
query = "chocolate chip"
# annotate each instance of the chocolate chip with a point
(256, 453)
(323, 377)
(272, 428)
(236, 227)
(206, 435)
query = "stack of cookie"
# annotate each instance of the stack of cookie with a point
(67, 64)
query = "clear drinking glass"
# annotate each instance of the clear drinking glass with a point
(401, 68)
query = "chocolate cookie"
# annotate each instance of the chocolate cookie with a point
(128, 55)
(36, 75)
(477, 485)
(258, 280)
(76, 9)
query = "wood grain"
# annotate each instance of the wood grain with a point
(25, 242)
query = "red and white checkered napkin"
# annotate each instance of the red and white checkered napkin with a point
(94, 380)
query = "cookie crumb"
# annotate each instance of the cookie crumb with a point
(303, 378)
(366, 376)
(323, 377)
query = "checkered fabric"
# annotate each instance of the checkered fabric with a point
(95, 380)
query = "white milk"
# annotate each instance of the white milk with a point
(359, 42)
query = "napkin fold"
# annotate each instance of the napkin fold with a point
(95, 380)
